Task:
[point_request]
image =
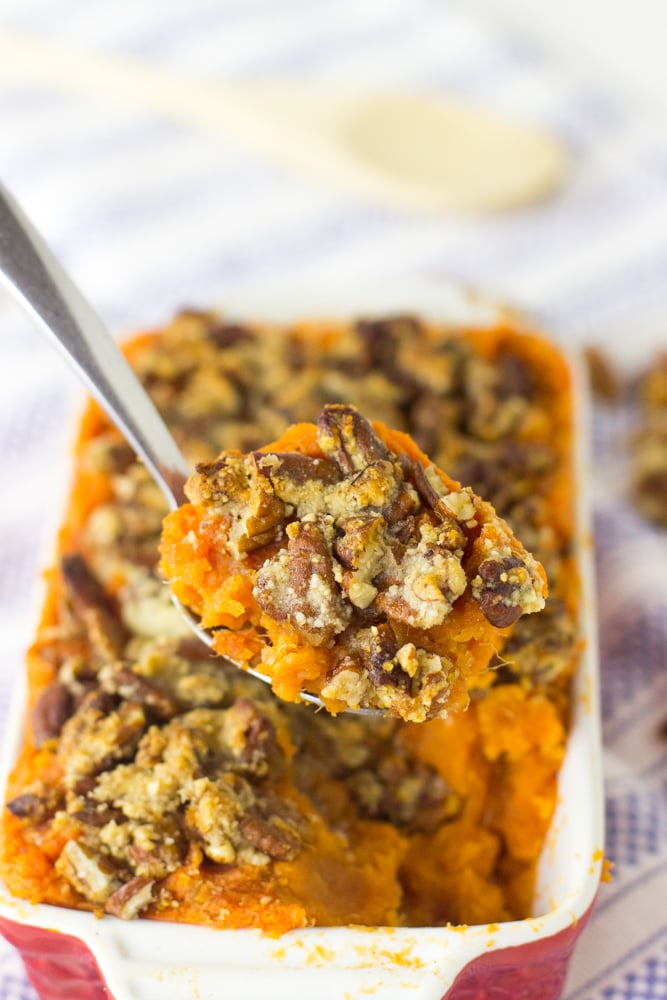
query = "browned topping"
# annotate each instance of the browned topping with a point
(130, 899)
(501, 579)
(349, 439)
(94, 607)
(90, 873)
(273, 829)
(98, 736)
(38, 805)
(52, 710)
(121, 679)
(404, 792)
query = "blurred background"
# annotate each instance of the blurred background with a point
(205, 152)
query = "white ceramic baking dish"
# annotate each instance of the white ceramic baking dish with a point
(70, 954)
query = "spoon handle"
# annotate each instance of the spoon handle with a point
(32, 273)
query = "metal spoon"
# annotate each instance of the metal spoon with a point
(32, 274)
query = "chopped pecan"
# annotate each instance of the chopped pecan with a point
(36, 805)
(293, 469)
(431, 492)
(379, 339)
(405, 792)
(52, 709)
(91, 874)
(272, 829)
(90, 813)
(363, 550)
(220, 482)
(94, 608)
(347, 682)
(121, 679)
(130, 899)
(499, 595)
(156, 849)
(298, 585)
(383, 666)
(250, 736)
(426, 583)
(498, 396)
(375, 486)
(94, 739)
(213, 813)
(258, 513)
(349, 438)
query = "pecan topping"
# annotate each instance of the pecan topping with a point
(229, 334)
(94, 607)
(258, 512)
(37, 806)
(298, 585)
(94, 739)
(383, 667)
(52, 710)
(90, 873)
(130, 899)
(249, 735)
(407, 793)
(349, 438)
(500, 590)
(170, 754)
(120, 679)
(272, 831)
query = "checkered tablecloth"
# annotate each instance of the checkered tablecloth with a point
(151, 212)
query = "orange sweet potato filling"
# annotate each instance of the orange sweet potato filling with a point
(501, 756)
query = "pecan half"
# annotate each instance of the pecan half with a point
(250, 736)
(272, 831)
(93, 606)
(36, 806)
(349, 438)
(121, 679)
(298, 585)
(130, 899)
(500, 592)
(90, 873)
(52, 709)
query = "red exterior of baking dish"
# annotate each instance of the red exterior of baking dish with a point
(61, 967)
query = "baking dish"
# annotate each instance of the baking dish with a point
(526, 958)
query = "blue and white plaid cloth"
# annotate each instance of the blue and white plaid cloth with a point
(151, 213)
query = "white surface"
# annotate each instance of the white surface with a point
(617, 43)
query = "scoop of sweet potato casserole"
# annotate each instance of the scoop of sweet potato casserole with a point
(340, 561)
